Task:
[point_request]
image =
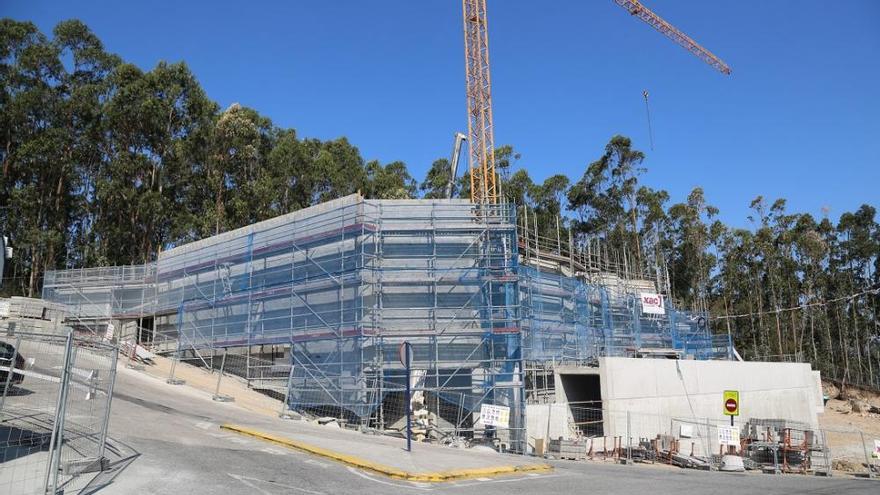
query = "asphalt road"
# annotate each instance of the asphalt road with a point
(169, 442)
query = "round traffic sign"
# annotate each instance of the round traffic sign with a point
(730, 405)
(405, 351)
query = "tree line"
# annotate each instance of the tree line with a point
(104, 163)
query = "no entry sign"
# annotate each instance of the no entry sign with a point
(731, 402)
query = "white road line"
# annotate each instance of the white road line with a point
(317, 463)
(250, 485)
(480, 481)
(246, 480)
(205, 425)
(383, 482)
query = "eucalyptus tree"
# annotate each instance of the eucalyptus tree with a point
(289, 163)
(338, 170)
(691, 262)
(605, 198)
(391, 181)
(156, 136)
(436, 180)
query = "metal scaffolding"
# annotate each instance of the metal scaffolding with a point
(344, 283)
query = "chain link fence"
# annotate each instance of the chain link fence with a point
(54, 411)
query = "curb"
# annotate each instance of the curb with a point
(455, 474)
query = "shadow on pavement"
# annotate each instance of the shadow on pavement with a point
(19, 442)
(121, 456)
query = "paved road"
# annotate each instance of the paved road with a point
(174, 445)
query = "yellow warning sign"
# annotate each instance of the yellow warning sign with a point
(731, 402)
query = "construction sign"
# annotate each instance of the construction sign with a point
(731, 403)
(728, 435)
(652, 304)
(498, 416)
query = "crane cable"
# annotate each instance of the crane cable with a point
(872, 291)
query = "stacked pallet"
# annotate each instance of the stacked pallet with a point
(37, 309)
(568, 449)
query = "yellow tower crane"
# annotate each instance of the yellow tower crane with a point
(634, 7)
(481, 137)
(478, 87)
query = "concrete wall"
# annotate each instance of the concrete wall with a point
(684, 388)
(542, 419)
(663, 394)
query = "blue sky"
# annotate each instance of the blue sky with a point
(799, 117)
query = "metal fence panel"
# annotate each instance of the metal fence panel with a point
(54, 411)
(591, 430)
(28, 417)
(86, 410)
(850, 451)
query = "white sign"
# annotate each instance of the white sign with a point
(4, 306)
(686, 431)
(492, 415)
(652, 304)
(876, 453)
(728, 435)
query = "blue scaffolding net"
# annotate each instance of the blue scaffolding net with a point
(343, 284)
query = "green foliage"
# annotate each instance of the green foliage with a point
(104, 163)
(389, 182)
(436, 180)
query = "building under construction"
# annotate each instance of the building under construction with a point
(337, 287)
(515, 338)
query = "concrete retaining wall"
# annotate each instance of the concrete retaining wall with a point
(661, 395)
(542, 419)
(682, 388)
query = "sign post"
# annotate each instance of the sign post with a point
(405, 353)
(731, 404)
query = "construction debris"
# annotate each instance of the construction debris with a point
(684, 460)
(328, 421)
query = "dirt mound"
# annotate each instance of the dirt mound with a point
(830, 390)
(837, 390)
(845, 465)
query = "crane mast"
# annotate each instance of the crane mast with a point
(634, 7)
(481, 139)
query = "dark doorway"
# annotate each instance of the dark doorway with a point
(584, 395)
(145, 330)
